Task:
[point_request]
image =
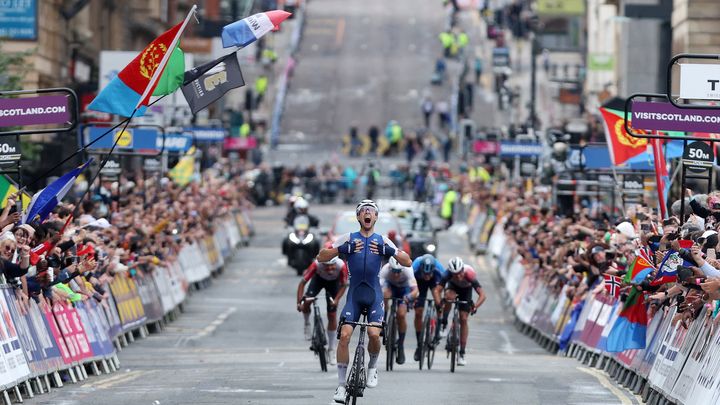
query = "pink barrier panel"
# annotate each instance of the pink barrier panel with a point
(71, 331)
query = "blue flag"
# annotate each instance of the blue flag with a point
(45, 200)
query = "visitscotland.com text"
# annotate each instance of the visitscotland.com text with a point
(676, 117)
(11, 112)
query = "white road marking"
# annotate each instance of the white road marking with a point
(507, 347)
(607, 384)
(232, 390)
(214, 324)
(282, 363)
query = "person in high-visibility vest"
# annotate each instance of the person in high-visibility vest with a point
(396, 135)
(261, 84)
(462, 40)
(244, 130)
(447, 40)
(447, 207)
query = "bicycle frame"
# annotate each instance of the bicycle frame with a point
(355, 385)
(453, 342)
(319, 337)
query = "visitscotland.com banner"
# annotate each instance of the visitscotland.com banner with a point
(39, 110)
(666, 117)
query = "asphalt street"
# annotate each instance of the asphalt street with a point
(362, 64)
(240, 341)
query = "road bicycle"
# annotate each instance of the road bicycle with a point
(430, 336)
(318, 342)
(357, 378)
(453, 337)
(392, 334)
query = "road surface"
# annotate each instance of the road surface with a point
(240, 341)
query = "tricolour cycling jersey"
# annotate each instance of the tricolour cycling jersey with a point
(364, 269)
(405, 278)
(469, 279)
(340, 272)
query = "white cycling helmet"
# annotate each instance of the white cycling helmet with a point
(366, 203)
(394, 264)
(334, 261)
(301, 204)
(456, 265)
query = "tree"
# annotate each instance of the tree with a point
(11, 72)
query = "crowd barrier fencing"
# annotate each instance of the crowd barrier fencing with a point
(677, 366)
(42, 346)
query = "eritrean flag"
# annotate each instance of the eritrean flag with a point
(248, 30)
(622, 145)
(630, 329)
(157, 70)
(639, 269)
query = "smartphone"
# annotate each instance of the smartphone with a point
(18, 205)
(711, 254)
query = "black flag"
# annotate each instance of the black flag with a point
(206, 83)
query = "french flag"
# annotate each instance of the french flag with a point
(248, 30)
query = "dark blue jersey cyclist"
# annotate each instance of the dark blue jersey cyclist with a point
(428, 273)
(364, 253)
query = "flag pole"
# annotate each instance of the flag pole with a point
(102, 165)
(166, 57)
(659, 183)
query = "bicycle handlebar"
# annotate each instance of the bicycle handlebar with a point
(312, 299)
(366, 324)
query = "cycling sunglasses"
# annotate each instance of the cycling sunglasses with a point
(367, 208)
(396, 271)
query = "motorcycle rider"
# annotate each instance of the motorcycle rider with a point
(300, 208)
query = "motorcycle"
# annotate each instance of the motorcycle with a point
(300, 246)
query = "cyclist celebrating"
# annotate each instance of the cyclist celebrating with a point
(332, 277)
(364, 252)
(398, 282)
(428, 272)
(459, 282)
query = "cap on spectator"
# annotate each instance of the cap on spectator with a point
(626, 229)
(29, 229)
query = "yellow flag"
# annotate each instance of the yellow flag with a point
(183, 171)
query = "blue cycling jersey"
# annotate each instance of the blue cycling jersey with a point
(364, 266)
(438, 273)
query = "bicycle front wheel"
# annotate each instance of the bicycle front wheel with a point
(322, 354)
(390, 347)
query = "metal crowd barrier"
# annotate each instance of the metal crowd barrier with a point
(678, 365)
(44, 346)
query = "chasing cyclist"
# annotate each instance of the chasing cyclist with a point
(364, 252)
(331, 276)
(459, 282)
(398, 282)
(428, 272)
